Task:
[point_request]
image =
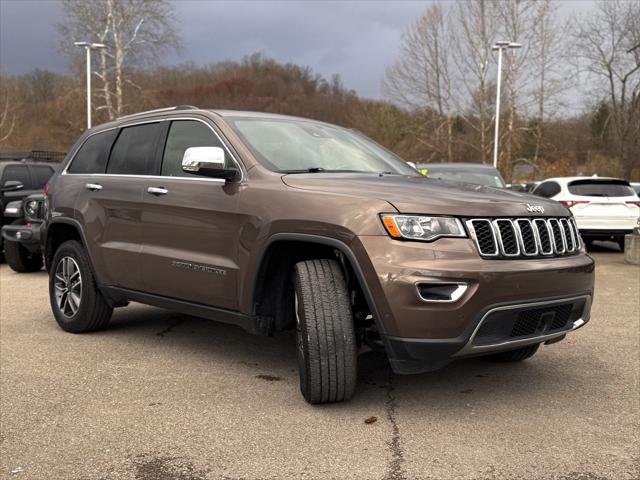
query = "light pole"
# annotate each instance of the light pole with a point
(499, 46)
(88, 46)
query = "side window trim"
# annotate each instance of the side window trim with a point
(225, 142)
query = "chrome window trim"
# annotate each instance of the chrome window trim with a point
(499, 237)
(516, 224)
(472, 231)
(536, 223)
(469, 348)
(157, 120)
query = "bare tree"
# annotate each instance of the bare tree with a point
(476, 27)
(603, 42)
(516, 20)
(421, 78)
(548, 68)
(7, 115)
(136, 32)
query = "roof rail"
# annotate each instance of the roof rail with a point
(159, 110)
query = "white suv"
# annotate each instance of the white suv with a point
(604, 208)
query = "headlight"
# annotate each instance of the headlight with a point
(31, 208)
(419, 227)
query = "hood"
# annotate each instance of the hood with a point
(409, 194)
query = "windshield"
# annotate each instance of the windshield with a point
(476, 178)
(294, 146)
(601, 188)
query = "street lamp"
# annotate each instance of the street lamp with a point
(499, 46)
(88, 46)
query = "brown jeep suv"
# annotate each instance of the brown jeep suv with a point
(273, 222)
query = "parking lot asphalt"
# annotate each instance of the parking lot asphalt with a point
(164, 396)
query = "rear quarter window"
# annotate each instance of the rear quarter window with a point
(547, 189)
(601, 188)
(93, 154)
(19, 173)
(41, 175)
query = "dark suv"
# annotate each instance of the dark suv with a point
(273, 222)
(22, 174)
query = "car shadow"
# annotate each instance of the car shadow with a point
(604, 247)
(274, 359)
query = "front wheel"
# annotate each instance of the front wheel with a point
(76, 301)
(325, 333)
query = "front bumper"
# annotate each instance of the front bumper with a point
(28, 234)
(422, 336)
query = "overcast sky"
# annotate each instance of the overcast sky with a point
(354, 39)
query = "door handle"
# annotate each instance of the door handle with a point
(157, 191)
(93, 187)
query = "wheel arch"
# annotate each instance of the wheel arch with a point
(269, 285)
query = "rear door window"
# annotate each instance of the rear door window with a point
(601, 188)
(134, 150)
(93, 154)
(41, 175)
(547, 189)
(19, 173)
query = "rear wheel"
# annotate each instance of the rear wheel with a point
(620, 242)
(515, 355)
(75, 298)
(325, 332)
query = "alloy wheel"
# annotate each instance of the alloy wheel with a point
(68, 286)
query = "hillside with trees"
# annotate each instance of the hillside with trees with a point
(439, 94)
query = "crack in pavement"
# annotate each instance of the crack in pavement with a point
(170, 327)
(395, 471)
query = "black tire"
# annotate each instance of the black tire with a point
(20, 259)
(325, 333)
(515, 355)
(620, 242)
(93, 311)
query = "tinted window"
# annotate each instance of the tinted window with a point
(547, 189)
(93, 154)
(19, 173)
(41, 175)
(601, 188)
(133, 151)
(182, 135)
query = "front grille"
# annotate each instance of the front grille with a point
(524, 237)
(539, 321)
(504, 325)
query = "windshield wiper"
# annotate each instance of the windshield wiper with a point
(320, 170)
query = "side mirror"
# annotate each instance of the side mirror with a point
(207, 161)
(12, 186)
(412, 164)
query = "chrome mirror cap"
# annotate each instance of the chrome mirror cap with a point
(203, 158)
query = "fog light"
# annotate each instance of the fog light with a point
(446, 292)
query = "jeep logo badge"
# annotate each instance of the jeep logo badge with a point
(535, 208)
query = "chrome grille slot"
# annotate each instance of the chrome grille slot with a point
(524, 237)
(568, 234)
(544, 236)
(507, 238)
(557, 236)
(527, 236)
(484, 237)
